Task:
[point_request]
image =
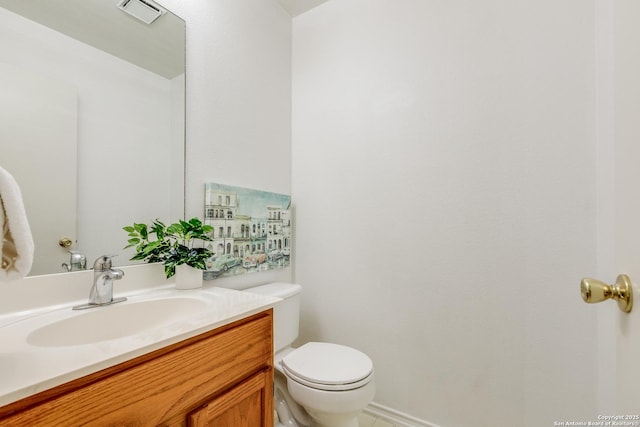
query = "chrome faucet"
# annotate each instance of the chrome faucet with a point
(102, 289)
(77, 262)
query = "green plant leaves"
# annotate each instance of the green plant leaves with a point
(173, 244)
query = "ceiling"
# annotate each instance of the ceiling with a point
(297, 7)
(101, 24)
(158, 47)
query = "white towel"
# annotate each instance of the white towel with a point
(16, 242)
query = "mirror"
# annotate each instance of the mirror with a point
(93, 128)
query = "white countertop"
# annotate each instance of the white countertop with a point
(27, 368)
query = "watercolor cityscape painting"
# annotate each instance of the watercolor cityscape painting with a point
(251, 230)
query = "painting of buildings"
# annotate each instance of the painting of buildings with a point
(251, 230)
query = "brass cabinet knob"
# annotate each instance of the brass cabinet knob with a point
(593, 291)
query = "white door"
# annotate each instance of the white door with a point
(38, 134)
(627, 196)
(618, 335)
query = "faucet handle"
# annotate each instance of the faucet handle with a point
(77, 261)
(103, 263)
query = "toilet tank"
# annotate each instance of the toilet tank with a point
(286, 313)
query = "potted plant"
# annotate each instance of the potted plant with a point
(172, 245)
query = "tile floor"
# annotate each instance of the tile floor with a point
(366, 420)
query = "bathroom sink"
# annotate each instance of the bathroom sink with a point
(114, 321)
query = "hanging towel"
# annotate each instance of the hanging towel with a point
(16, 242)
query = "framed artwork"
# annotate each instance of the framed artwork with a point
(251, 230)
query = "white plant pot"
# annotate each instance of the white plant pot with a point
(188, 277)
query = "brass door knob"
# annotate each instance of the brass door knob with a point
(65, 242)
(593, 291)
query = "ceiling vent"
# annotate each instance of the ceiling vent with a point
(145, 10)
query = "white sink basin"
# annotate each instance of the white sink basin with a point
(114, 321)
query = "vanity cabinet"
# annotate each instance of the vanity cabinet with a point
(220, 378)
(240, 407)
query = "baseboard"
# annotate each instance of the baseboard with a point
(394, 417)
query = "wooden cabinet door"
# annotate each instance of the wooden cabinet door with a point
(249, 404)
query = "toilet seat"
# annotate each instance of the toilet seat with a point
(328, 367)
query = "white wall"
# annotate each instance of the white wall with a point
(238, 102)
(446, 206)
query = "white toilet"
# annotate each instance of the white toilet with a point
(317, 384)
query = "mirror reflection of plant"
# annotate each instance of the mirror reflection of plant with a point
(172, 244)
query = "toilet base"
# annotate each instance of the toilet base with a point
(334, 420)
(291, 413)
(331, 408)
(288, 412)
(353, 423)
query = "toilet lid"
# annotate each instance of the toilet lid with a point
(328, 366)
